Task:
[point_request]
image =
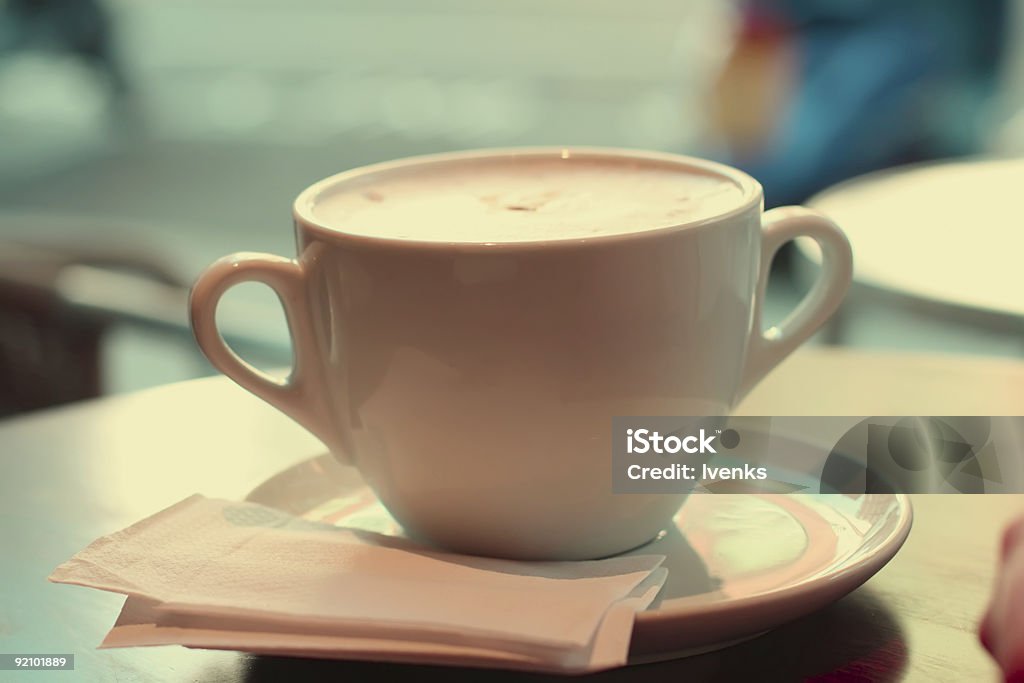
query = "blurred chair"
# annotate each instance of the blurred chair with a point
(56, 303)
(61, 296)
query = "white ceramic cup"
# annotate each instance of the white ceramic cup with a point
(473, 385)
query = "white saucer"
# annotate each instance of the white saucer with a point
(739, 564)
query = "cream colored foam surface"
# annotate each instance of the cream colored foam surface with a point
(525, 200)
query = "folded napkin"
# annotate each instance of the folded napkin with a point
(226, 575)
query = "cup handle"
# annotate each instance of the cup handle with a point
(302, 396)
(769, 347)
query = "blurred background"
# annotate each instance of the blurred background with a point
(140, 140)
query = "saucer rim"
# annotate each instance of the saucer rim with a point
(848, 574)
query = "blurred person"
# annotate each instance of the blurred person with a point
(1006, 136)
(80, 27)
(1002, 627)
(817, 91)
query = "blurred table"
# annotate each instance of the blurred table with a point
(74, 473)
(941, 239)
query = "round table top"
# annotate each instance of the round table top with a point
(948, 233)
(74, 473)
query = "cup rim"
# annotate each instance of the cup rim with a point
(303, 214)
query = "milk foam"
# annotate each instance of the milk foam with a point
(525, 200)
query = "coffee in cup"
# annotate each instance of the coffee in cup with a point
(513, 200)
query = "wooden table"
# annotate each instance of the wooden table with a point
(75, 473)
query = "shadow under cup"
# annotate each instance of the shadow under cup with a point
(474, 383)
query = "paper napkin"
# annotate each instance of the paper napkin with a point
(226, 575)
